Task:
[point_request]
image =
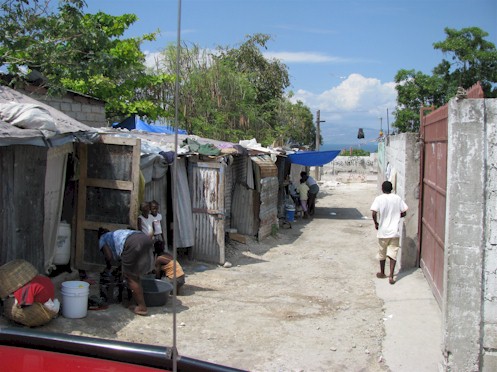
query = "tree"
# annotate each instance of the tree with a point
(232, 93)
(68, 49)
(471, 59)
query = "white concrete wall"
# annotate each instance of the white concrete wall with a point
(354, 164)
(490, 256)
(402, 156)
(470, 269)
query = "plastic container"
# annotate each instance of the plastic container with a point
(75, 299)
(290, 213)
(63, 244)
(155, 291)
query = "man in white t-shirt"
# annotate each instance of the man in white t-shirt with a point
(389, 208)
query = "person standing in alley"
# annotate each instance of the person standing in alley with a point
(132, 248)
(387, 210)
(303, 190)
(313, 191)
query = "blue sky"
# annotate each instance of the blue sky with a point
(342, 55)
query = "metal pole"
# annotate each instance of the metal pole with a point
(388, 125)
(175, 185)
(318, 130)
(318, 135)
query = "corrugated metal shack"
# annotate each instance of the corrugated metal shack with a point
(210, 204)
(96, 177)
(35, 147)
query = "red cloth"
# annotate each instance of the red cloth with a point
(39, 289)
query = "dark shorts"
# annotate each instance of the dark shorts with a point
(314, 189)
(137, 254)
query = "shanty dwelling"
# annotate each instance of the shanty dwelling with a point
(198, 216)
(36, 145)
(91, 178)
(57, 172)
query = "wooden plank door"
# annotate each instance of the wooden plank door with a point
(108, 194)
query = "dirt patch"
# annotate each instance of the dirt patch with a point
(303, 300)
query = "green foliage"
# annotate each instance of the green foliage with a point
(354, 152)
(227, 94)
(82, 52)
(232, 94)
(471, 58)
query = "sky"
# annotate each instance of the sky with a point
(342, 55)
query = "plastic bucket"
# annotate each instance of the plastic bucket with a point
(290, 214)
(75, 299)
(63, 244)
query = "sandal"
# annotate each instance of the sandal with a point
(380, 276)
(391, 280)
(138, 312)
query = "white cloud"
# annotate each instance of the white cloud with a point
(302, 57)
(151, 58)
(354, 94)
(357, 102)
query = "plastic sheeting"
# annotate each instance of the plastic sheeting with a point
(134, 122)
(313, 158)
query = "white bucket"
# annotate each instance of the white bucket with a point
(63, 244)
(75, 299)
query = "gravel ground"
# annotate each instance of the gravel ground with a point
(303, 300)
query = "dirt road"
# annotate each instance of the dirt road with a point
(301, 301)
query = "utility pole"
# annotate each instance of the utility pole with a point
(318, 140)
(318, 131)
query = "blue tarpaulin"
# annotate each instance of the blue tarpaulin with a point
(313, 158)
(134, 122)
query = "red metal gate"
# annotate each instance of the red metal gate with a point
(433, 185)
(432, 198)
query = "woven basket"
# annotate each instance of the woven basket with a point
(32, 316)
(14, 274)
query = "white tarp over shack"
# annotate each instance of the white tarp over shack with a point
(24, 120)
(26, 126)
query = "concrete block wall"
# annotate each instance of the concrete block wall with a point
(354, 164)
(489, 360)
(85, 109)
(402, 154)
(470, 268)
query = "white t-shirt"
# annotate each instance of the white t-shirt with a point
(147, 225)
(389, 207)
(157, 224)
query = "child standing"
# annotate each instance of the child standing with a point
(304, 195)
(157, 221)
(145, 220)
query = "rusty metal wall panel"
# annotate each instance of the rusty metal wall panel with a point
(228, 195)
(207, 193)
(236, 173)
(22, 195)
(266, 166)
(245, 212)
(434, 132)
(268, 214)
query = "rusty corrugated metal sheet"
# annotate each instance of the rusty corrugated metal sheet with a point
(22, 195)
(245, 212)
(268, 214)
(266, 166)
(207, 193)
